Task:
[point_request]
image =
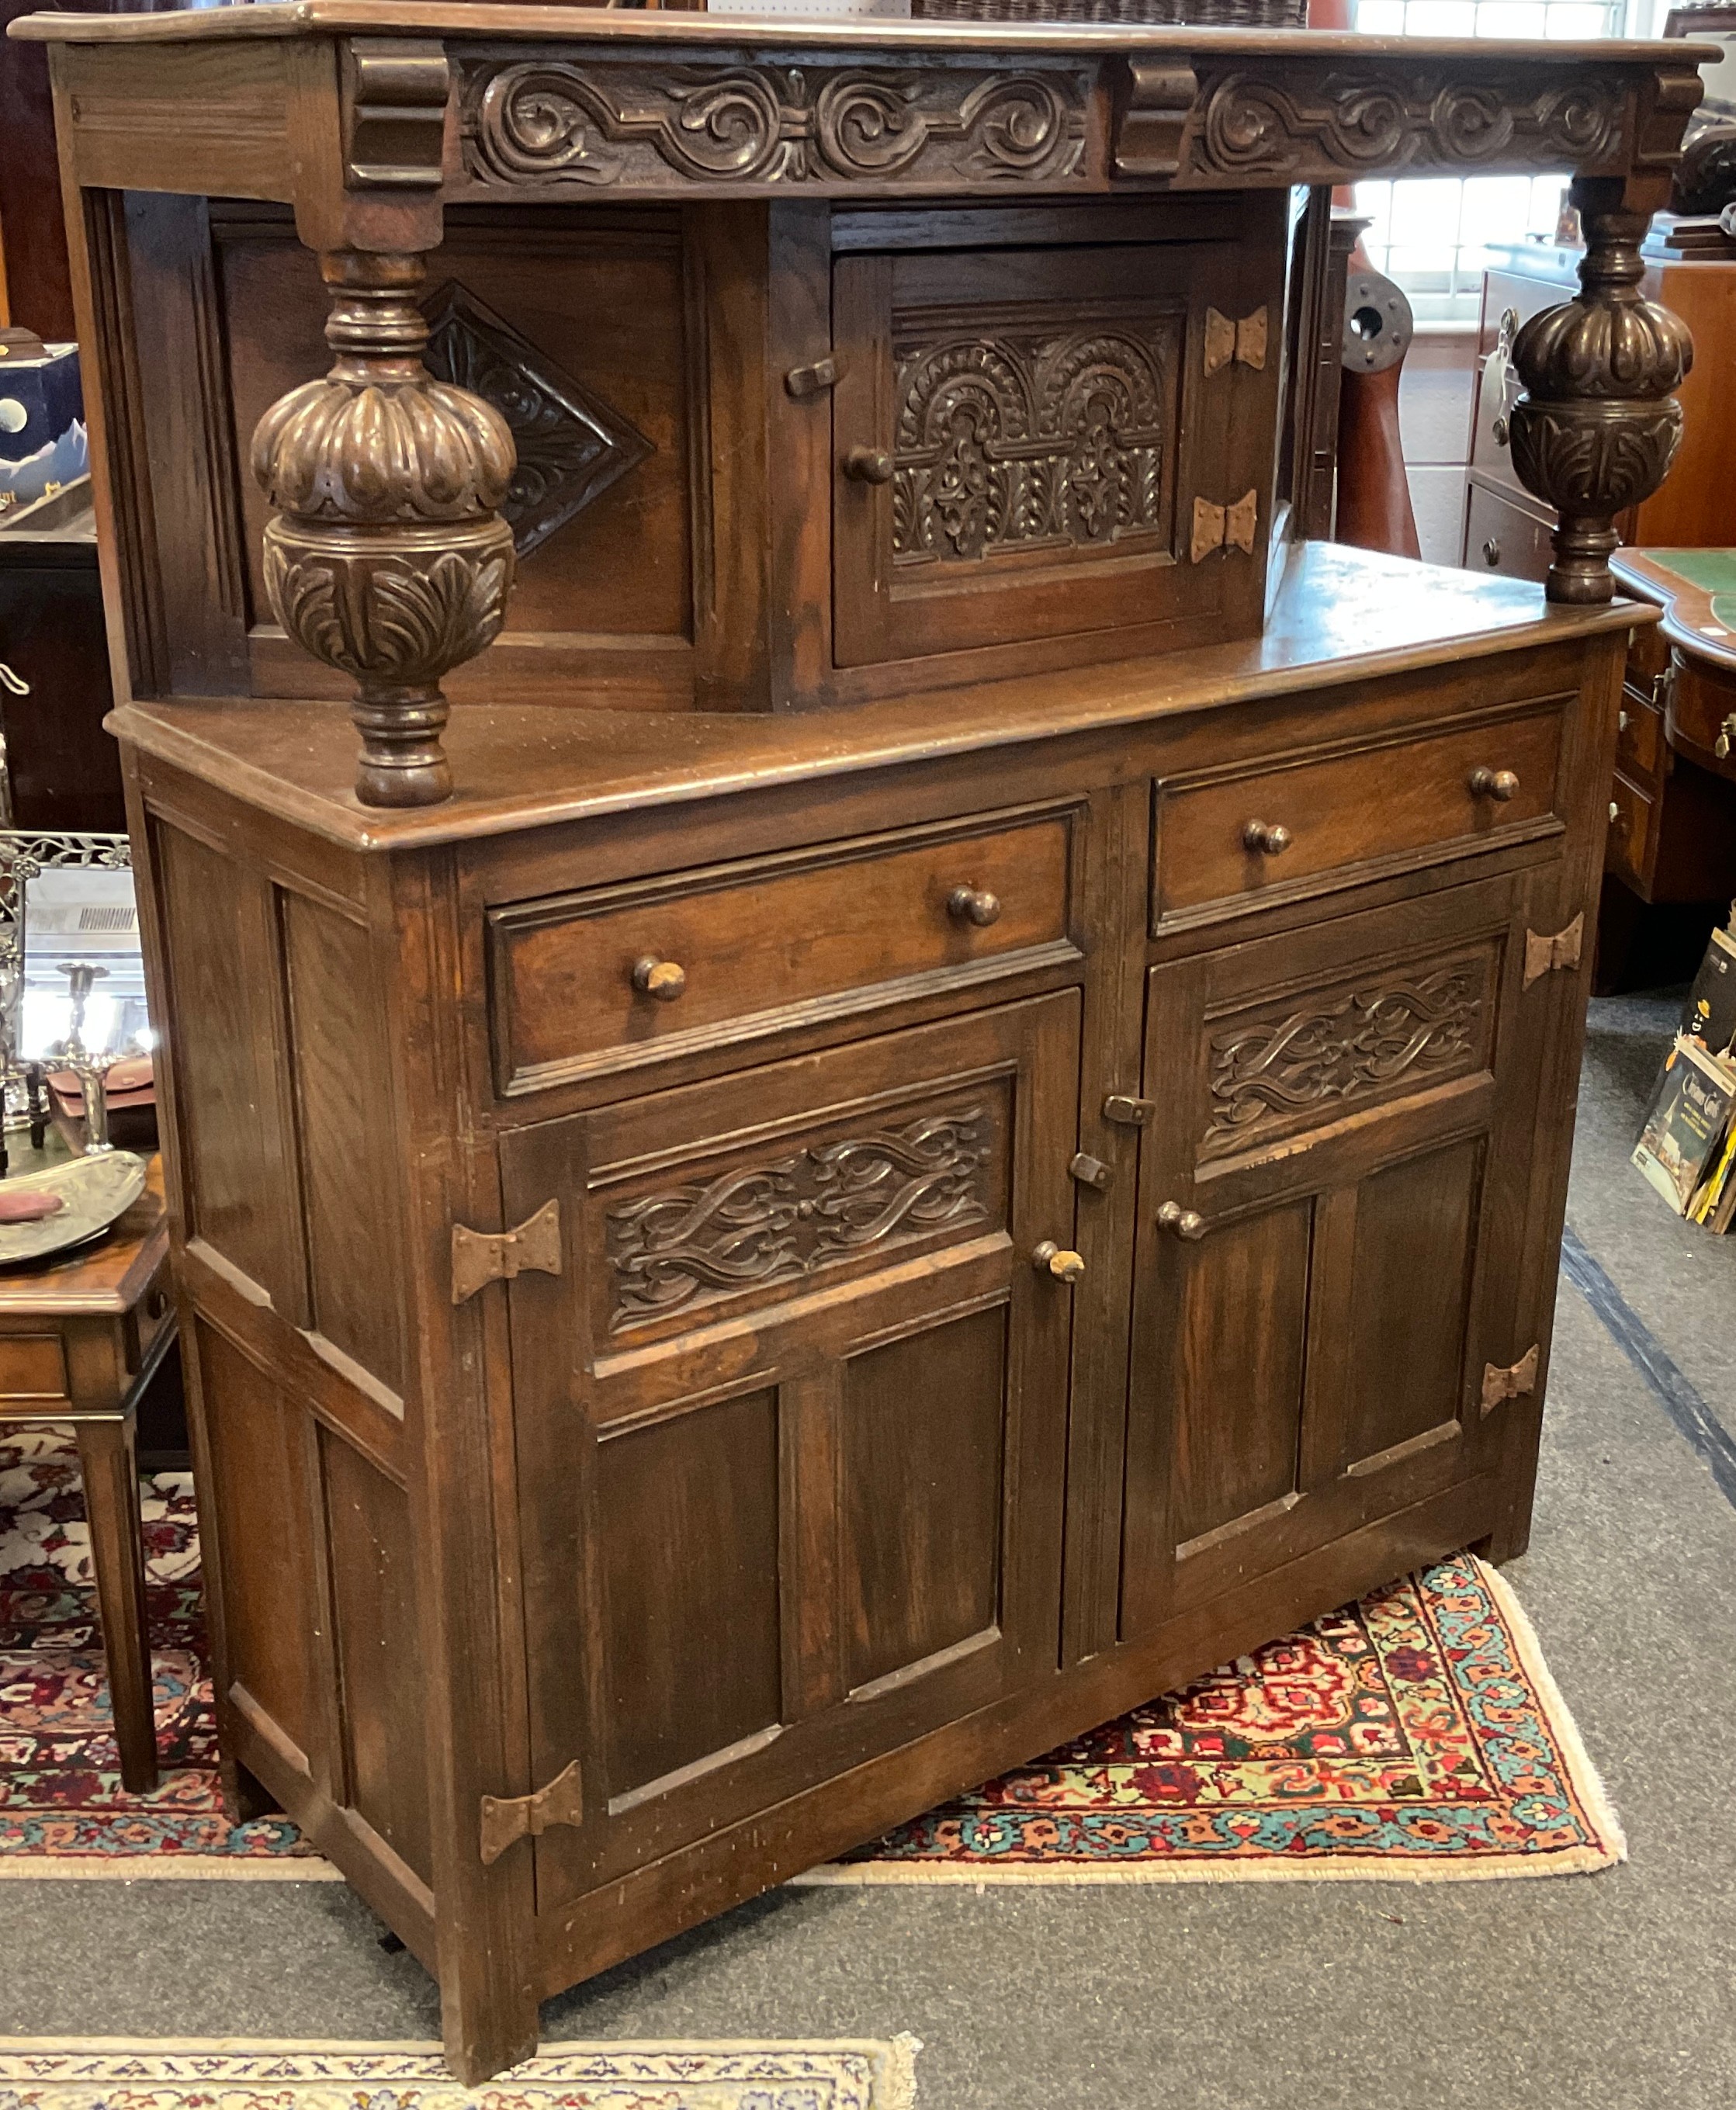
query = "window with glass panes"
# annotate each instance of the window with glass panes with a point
(1431, 232)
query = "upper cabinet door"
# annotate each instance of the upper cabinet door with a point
(1020, 437)
(791, 1421)
(1330, 1325)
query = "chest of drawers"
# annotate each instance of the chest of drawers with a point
(943, 1095)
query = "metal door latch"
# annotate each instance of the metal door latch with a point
(480, 1256)
(802, 381)
(1131, 1112)
(507, 1818)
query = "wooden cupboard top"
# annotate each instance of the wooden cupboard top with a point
(499, 20)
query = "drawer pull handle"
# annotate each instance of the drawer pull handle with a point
(1491, 552)
(663, 979)
(1270, 838)
(1185, 1223)
(1721, 746)
(1500, 784)
(971, 904)
(1621, 721)
(1050, 1259)
(1615, 813)
(868, 465)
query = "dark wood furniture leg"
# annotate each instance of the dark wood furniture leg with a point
(108, 1460)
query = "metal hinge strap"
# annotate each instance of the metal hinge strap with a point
(1244, 341)
(1224, 526)
(505, 1818)
(1499, 1384)
(1542, 954)
(480, 1256)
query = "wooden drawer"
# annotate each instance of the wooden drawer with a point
(1502, 536)
(822, 932)
(1632, 847)
(1639, 737)
(1702, 706)
(1648, 655)
(1329, 818)
(33, 1369)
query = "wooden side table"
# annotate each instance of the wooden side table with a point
(79, 1340)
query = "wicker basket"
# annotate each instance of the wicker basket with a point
(1214, 14)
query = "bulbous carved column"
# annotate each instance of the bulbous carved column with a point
(1598, 427)
(387, 560)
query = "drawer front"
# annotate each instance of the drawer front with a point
(33, 1368)
(1274, 832)
(737, 946)
(1503, 536)
(1639, 737)
(1702, 710)
(1632, 847)
(1648, 655)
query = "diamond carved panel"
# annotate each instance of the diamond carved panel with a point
(572, 446)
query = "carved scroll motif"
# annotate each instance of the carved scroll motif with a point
(567, 124)
(1258, 124)
(1023, 437)
(817, 1208)
(1353, 1046)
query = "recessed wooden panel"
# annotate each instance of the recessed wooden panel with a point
(31, 1366)
(1281, 1065)
(1409, 1305)
(259, 1491)
(754, 938)
(1350, 809)
(598, 295)
(236, 1156)
(1239, 1369)
(688, 1509)
(923, 1446)
(382, 1691)
(343, 1109)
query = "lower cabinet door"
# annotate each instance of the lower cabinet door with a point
(1332, 1206)
(790, 1422)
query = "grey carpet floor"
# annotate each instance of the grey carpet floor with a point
(1616, 1992)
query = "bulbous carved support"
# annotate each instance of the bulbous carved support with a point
(386, 560)
(1597, 425)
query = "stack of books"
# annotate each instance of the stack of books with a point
(1687, 1149)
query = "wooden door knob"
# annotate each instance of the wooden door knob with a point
(1268, 837)
(1500, 784)
(1050, 1259)
(1185, 1223)
(868, 465)
(974, 904)
(1721, 746)
(664, 979)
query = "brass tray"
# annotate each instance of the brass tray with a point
(95, 1190)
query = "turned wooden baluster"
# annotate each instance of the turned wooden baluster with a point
(1597, 428)
(386, 560)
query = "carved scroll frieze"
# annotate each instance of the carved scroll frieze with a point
(1255, 123)
(571, 444)
(588, 125)
(688, 1245)
(1013, 434)
(1288, 1066)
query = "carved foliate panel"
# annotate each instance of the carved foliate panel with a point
(855, 1195)
(679, 123)
(571, 444)
(1015, 432)
(1278, 1066)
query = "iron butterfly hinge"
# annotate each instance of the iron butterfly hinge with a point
(1542, 954)
(482, 1256)
(506, 1819)
(1243, 340)
(1499, 1384)
(1224, 526)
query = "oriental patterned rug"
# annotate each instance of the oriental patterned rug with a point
(49, 2073)
(1416, 1734)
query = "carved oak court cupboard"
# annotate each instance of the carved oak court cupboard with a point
(943, 1095)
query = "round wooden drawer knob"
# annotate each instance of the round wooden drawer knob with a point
(1269, 837)
(1050, 1259)
(1500, 784)
(664, 979)
(1185, 1223)
(971, 904)
(868, 465)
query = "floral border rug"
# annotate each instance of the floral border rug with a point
(49, 2073)
(1416, 1735)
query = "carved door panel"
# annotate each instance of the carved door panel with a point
(1019, 438)
(791, 1421)
(1332, 1210)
